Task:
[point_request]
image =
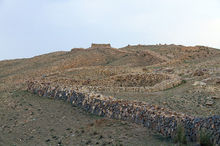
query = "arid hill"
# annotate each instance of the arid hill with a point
(176, 77)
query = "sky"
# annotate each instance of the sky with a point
(33, 27)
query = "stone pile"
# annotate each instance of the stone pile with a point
(156, 118)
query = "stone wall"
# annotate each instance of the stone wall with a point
(156, 118)
(173, 81)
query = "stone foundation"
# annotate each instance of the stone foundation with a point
(156, 118)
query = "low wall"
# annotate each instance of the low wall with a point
(156, 118)
(166, 84)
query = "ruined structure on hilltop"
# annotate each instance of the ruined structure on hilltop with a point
(99, 46)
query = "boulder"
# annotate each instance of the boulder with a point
(209, 102)
(215, 97)
(218, 82)
(199, 72)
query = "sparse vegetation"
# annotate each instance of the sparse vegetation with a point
(180, 136)
(205, 138)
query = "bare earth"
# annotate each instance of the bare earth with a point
(29, 120)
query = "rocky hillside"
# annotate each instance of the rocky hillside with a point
(174, 77)
(139, 67)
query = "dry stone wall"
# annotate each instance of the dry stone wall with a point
(156, 118)
(173, 81)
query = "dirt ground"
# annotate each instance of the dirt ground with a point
(28, 120)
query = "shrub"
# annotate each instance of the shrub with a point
(180, 136)
(205, 138)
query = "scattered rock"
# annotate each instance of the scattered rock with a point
(55, 137)
(31, 137)
(218, 82)
(215, 97)
(209, 102)
(199, 83)
(88, 142)
(59, 143)
(165, 103)
(199, 72)
(169, 70)
(68, 129)
(95, 133)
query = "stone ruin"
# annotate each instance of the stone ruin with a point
(100, 46)
(77, 49)
(93, 46)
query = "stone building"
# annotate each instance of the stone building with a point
(100, 46)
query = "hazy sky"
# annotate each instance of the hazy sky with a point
(33, 27)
